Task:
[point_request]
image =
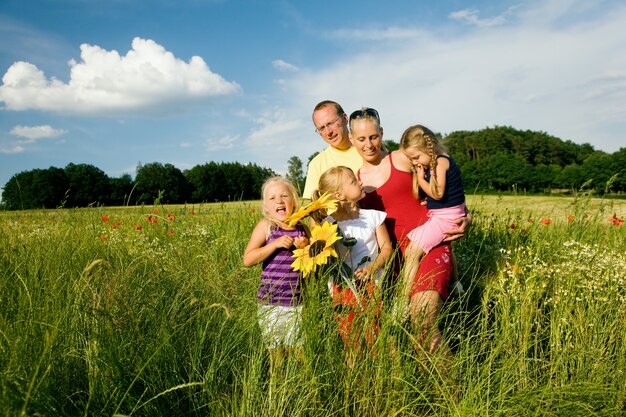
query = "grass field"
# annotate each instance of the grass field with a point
(148, 311)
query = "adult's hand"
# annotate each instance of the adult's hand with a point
(464, 223)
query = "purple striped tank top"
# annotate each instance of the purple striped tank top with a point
(280, 284)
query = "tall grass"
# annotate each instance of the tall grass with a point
(156, 316)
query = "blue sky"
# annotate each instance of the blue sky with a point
(116, 83)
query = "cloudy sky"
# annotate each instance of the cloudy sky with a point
(116, 83)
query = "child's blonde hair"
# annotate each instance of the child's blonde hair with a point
(421, 137)
(292, 191)
(330, 181)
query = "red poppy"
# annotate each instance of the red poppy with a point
(155, 211)
(105, 218)
(103, 237)
(615, 221)
(170, 232)
(170, 216)
(138, 227)
(152, 219)
(546, 220)
(530, 220)
(114, 226)
(513, 225)
(570, 218)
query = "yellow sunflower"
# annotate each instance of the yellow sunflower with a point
(324, 202)
(318, 251)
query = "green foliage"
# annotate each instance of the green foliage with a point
(38, 188)
(295, 173)
(503, 158)
(161, 182)
(87, 185)
(227, 181)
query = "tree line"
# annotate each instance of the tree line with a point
(506, 159)
(83, 185)
(492, 159)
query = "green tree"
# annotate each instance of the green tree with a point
(121, 189)
(391, 145)
(598, 168)
(87, 185)
(38, 188)
(295, 172)
(164, 181)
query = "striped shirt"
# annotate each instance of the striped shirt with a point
(280, 284)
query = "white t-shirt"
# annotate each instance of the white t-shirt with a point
(363, 229)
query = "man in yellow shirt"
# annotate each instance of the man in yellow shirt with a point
(331, 122)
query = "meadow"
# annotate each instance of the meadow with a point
(148, 311)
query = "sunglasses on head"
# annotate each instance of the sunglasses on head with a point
(365, 112)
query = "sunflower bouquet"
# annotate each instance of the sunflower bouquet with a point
(321, 247)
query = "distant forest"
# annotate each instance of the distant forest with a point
(492, 159)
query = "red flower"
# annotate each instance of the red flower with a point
(114, 226)
(155, 211)
(170, 216)
(530, 220)
(103, 237)
(105, 218)
(170, 232)
(138, 227)
(570, 218)
(616, 221)
(152, 219)
(546, 220)
(513, 225)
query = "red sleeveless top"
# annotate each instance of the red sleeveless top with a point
(395, 197)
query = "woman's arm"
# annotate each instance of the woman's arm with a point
(464, 224)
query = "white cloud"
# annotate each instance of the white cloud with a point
(386, 34)
(471, 16)
(223, 143)
(13, 148)
(33, 133)
(281, 65)
(105, 83)
(562, 76)
(28, 136)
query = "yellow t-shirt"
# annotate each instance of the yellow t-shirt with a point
(328, 158)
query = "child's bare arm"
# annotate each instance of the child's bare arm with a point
(257, 251)
(442, 168)
(384, 254)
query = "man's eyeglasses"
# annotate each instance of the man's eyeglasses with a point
(365, 112)
(328, 125)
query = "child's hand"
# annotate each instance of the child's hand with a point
(284, 242)
(365, 273)
(300, 242)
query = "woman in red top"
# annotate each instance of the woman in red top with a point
(387, 179)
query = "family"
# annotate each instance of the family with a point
(381, 203)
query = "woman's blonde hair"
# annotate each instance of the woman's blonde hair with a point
(422, 138)
(292, 191)
(330, 181)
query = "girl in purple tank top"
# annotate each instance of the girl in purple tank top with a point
(272, 243)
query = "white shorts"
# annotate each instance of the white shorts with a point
(280, 325)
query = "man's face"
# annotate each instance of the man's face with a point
(332, 127)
